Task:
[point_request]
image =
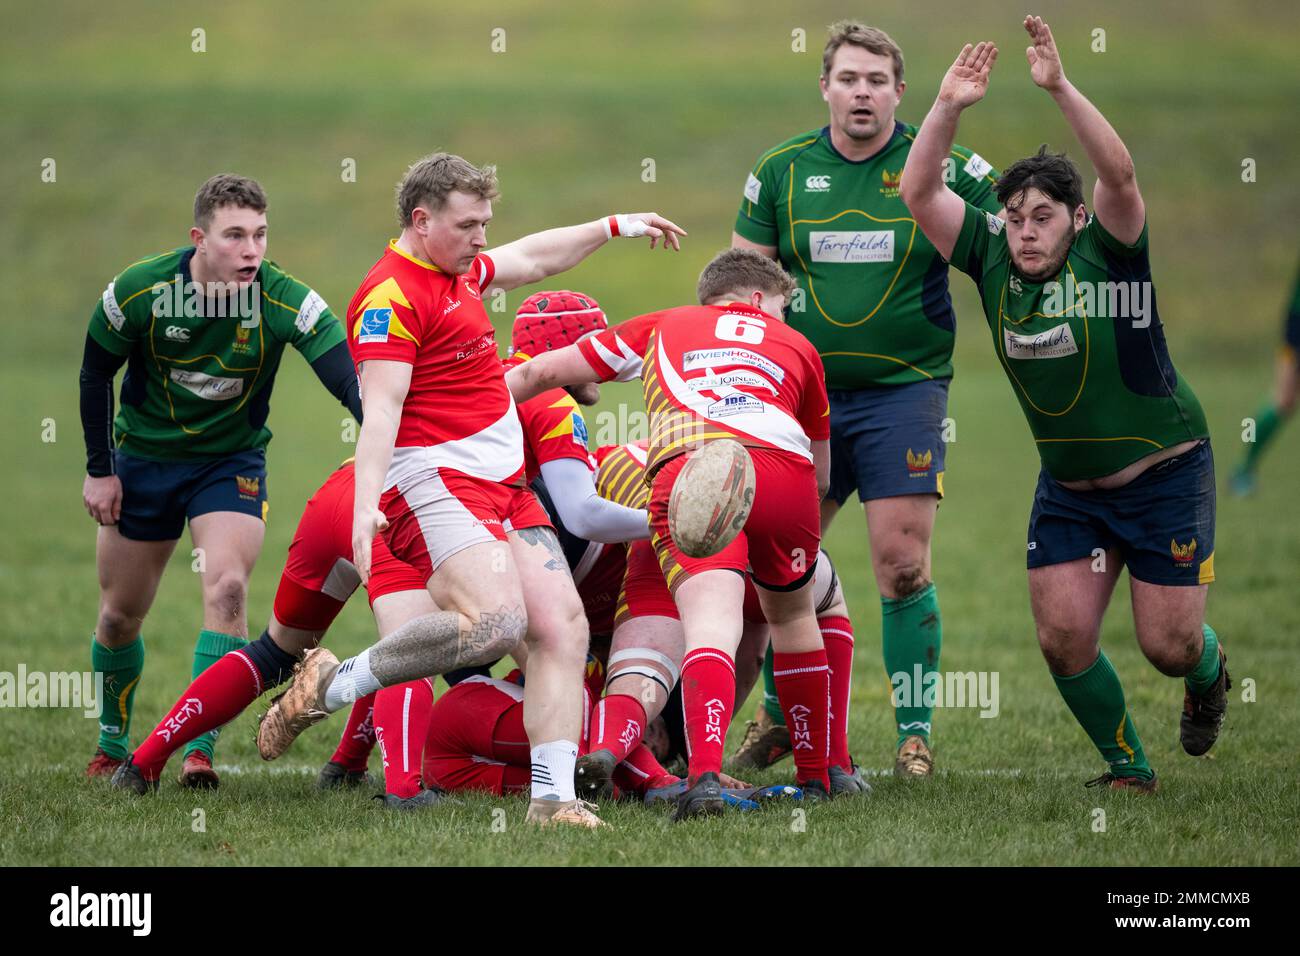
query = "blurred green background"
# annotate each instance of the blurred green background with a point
(580, 97)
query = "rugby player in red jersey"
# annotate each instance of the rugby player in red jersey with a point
(440, 467)
(591, 530)
(647, 648)
(730, 368)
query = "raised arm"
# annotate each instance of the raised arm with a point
(1115, 198)
(547, 253)
(384, 385)
(937, 209)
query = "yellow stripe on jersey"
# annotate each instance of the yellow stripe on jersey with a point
(386, 295)
(565, 426)
(619, 479)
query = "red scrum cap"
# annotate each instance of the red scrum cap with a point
(552, 320)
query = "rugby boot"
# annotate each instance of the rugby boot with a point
(1203, 714)
(914, 758)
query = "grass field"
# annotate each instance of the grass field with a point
(570, 111)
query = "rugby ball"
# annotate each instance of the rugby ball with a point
(711, 498)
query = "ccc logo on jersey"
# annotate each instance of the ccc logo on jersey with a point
(817, 184)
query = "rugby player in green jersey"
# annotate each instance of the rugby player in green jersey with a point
(1127, 475)
(1286, 384)
(201, 330)
(873, 299)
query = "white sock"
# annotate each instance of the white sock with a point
(352, 681)
(553, 765)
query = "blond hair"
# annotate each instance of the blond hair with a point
(429, 181)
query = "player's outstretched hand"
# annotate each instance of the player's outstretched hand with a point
(365, 525)
(656, 227)
(732, 783)
(103, 498)
(967, 80)
(1044, 60)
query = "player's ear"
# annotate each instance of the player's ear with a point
(821, 83)
(196, 235)
(1080, 217)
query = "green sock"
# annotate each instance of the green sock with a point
(121, 668)
(1096, 698)
(210, 647)
(771, 703)
(1207, 671)
(911, 638)
(1267, 421)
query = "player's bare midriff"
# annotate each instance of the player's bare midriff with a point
(1122, 477)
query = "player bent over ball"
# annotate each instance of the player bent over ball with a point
(647, 649)
(1126, 465)
(729, 369)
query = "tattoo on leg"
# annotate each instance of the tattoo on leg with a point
(436, 643)
(547, 539)
(482, 642)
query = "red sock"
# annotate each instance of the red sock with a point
(401, 718)
(216, 697)
(641, 772)
(618, 725)
(708, 696)
(837, 635)
(803, 687)
(358, 737)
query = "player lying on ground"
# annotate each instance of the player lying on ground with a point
(875, 304)
(648, 644)
(729, 369)
(201, 330)
(1271, 416)
(477, 742)
(318, 578)
(1127, 474)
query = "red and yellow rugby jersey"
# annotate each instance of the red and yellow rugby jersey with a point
(620, 474)
(718, 371)
(553, 427)
(458, 413)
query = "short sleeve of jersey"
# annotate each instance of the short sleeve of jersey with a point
(756, 220)
(1122, 258)
(385, 325)
(109, 323)
(616, 353)
(299, 316)
(978, 230)
(815, 410)
(974, 179)
(485, 270)
(554, 427)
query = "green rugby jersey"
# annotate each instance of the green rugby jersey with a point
(1085, 351)
(199, 385)
(875, 292)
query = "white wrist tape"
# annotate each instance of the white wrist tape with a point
(623, 226)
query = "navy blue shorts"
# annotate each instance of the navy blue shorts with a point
(1291, 331)
(888, 441)
(158, 496)
(1162, 522)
